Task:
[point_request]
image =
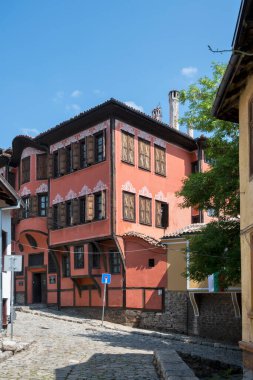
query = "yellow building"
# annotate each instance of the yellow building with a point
(234, 102)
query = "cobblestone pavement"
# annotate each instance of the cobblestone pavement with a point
(83, 349)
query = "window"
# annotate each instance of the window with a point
(144, 154)
(83, 154)
(162, 214)
(82, 210)
(41, 166)
(42, 204)
(99, 147)
(36, 259)
(56, 216)
(151, 263)
(51, 263)
(195, 219)
(78, 257)
(65, 265)
(56, 164)
(145, 215)
(114, 262)
(99, 205)
(251, 138)
(160, 160)
(128, 206)
(127, 148)
(69, 163)
(26, 209)
(95, 260)
(25, 169)
(69, 213)
(4, 246)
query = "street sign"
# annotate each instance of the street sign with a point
(106, 278)
(13, 263)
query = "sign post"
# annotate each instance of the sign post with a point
(12, 263)
(106, 279)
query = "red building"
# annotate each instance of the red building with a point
(99, 192)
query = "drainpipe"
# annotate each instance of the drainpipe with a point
(1, 258)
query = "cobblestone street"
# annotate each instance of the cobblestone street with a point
(83, 349)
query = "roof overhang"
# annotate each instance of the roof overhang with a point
(226, 104)
(8, 196)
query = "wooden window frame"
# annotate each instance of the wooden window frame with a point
(160, 149)
(78, 253)
(145, 199)
(96, 147)
(127, 160)
(42, 209)
(41, 173)
(98, 201)
(26, 212)
(124, 194)
(65, 265)
(162, 204)
(115, 262)
(51, 264)
(143, 167)
(26, 169)
(69, 213)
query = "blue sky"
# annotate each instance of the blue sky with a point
(62, 57)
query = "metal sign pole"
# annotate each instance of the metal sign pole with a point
(103, 313)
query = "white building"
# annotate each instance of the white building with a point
(9, 200)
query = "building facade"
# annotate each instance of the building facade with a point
(99, 192)
(234, 102)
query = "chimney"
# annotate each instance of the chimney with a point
(157, 113)
(174, 107)
(190, 131)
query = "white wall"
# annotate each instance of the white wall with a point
(6, 276)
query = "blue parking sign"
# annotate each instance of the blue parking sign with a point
(106, 278)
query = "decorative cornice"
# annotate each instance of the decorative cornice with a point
(145, 192)
(144, 135)
(127, 128)
(128, 187)
(100, 186)
(159, 142)
(71, 195)
(29, 151)
(161, 197)
(25, 191)
(79, 136)
(58, 199)
(85, 191)
(43, 188)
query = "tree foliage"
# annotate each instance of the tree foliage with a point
(216, 249)
(217, 188)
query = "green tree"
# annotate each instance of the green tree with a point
(217, 188)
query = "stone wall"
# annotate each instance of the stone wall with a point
(216, 319)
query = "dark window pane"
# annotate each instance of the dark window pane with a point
(78, 257)
(95, 260)
(98, 206)
(51, 263)
(56, 164)
(82, 210)
(25, 169)
(43, 204)
(115, 262)
(83, 154)
(99, 147)
(26, 209)
(35, 259)
(41, 166)
(65, 266)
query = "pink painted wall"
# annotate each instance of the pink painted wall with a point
(178, 165)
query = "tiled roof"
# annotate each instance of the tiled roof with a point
(147, 238)
(190, 229)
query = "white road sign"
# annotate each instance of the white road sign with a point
(13, 263)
